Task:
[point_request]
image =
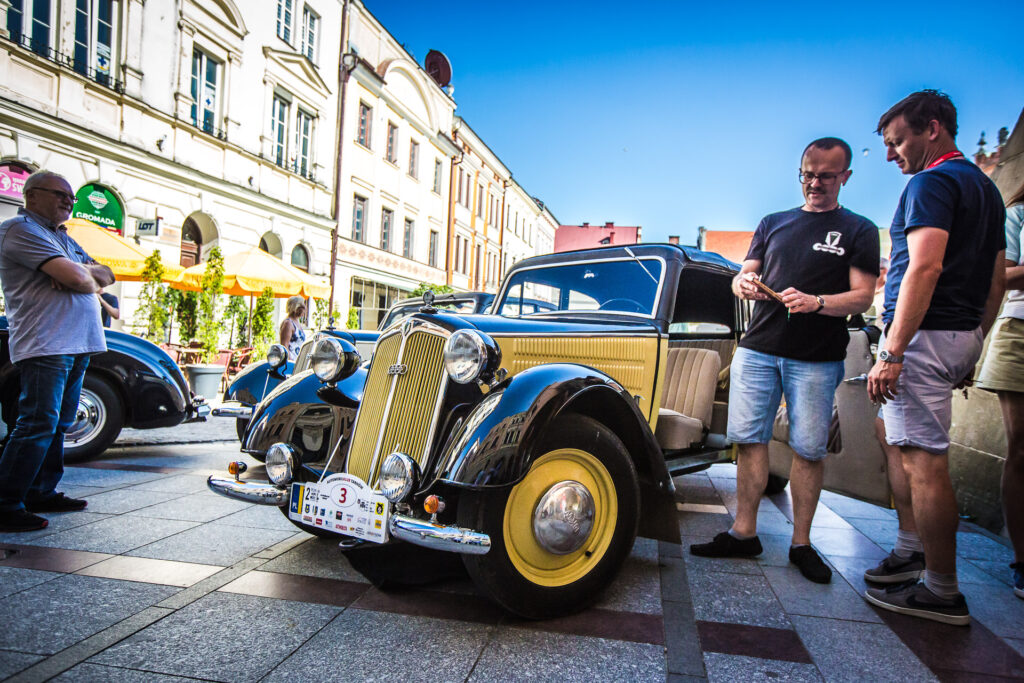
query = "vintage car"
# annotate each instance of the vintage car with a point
(134, 383)
(250, 385)
(537, 445)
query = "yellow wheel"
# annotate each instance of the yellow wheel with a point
(559, 536)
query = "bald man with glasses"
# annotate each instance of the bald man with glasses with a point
(49, 285)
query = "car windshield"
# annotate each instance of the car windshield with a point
(626, 285)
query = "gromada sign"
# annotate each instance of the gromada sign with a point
(99, 205)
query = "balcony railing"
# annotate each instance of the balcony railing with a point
(42, 48)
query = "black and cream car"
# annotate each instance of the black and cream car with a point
(537, 445)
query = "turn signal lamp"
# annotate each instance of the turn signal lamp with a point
(433, 505)
(236, 468)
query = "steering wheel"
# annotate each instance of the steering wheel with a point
(622, 304)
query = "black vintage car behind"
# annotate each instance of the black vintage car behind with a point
(134, 383)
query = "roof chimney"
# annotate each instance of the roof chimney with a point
(609, 224)
(585, 224)
(673, 239)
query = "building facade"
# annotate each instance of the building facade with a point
(301, 126)
(587, 236)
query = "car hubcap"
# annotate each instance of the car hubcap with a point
(564, 517)
(540, 555)
(90, 417)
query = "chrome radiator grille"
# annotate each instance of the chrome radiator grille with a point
(403, 394)
(304, 358)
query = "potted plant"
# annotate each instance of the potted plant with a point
(263, 323)
(152, 315)
(205, 377)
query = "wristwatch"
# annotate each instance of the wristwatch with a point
(887, 357)
(821, 302)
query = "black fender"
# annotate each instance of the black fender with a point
(308, 415)
(497, 442)
(255, 381)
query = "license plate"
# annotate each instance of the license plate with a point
(343, 504)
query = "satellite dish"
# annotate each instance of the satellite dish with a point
(438, 67)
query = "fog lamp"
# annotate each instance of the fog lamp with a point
(280, 463)
(433, 505)
(397, 477)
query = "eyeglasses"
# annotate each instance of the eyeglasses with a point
(60, 193)
(808, 178)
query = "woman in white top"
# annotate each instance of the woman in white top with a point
(1003, 373)
(293, 332)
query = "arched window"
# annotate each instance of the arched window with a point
(300, 258)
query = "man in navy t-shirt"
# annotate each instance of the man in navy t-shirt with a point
(822, 260)
(942, 295)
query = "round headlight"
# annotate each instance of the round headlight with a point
(397, 477)
(280, 464)
(465, 356)
(333, 360)
(277, 356)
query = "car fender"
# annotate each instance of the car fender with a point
(497, 442)
(255, 381)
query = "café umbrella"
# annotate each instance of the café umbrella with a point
(123, 256)
(251, 271)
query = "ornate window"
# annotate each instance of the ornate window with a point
(205, 75)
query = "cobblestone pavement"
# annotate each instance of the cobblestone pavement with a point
(162, 580)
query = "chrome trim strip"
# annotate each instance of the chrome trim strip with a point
(429, 534)
(233, 411)
(388, 405)
(570, 335)
(264, 494)
(499, 297)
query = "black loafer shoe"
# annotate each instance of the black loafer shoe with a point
(809, 564)
(727, 545)
(58, 502)
(21, 520)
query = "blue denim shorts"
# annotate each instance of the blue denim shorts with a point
(757, 383)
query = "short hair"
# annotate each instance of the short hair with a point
(294, 304)
(831, 143)
(38, 177)
(919, 109)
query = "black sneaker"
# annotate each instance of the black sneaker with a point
(1018, 579)
(58, 502)
(914, 598)
(895, 569)
(727, 545)
(21, 520)
(810, 564)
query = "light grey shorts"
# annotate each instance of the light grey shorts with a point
(921, 413)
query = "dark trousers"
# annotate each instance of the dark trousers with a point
(33, 460)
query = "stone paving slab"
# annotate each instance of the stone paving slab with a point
(189, 597)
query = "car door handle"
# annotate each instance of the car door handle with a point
(859, 379)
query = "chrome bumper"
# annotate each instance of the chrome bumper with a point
(428, 534)
(198, 410)
(264, 494)
(239, 411)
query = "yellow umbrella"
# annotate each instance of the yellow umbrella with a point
(253, 270)
(123, 256)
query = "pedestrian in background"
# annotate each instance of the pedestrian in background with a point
(109, 307)
(50, 286)
(943, 290)
(1003, 373)
(293, 332)
(823, 261)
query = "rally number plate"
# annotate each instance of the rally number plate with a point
(343, 504)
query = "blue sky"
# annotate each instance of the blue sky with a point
(673, 115)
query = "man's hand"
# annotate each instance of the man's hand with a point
(882, 381)
(743, 287)
(798, 302)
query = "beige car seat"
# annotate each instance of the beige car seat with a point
(690, 381)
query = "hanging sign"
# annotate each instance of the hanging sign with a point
(99, 205)
(12, 181)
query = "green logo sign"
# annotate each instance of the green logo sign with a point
(98, 204)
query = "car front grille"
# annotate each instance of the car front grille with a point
(304, 358)
(401, 400)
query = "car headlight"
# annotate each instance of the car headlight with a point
(280, 464)
(397, 477)
(469, 356)
(277, 356)
(334, 360)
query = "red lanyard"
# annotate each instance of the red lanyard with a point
(945, 157)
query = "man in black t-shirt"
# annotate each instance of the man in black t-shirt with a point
(822, 260)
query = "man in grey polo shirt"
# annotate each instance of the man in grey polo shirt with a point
(50, 286)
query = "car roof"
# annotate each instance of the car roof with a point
(670, 252)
